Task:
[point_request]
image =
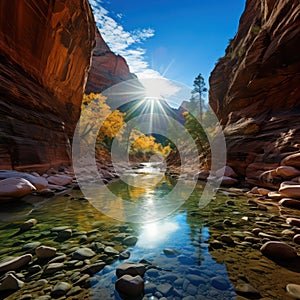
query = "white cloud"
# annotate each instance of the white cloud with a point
(125, 43)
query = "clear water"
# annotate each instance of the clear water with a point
(188, 230)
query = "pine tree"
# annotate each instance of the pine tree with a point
(200, 89)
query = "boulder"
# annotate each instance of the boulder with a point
(15, 188)
(59, 179)
(292, 160)
(39, 182)
(290, 190)
(130, 286)
(15, 263)
(278, 251)
(287, 172)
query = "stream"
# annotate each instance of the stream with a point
(208, 253)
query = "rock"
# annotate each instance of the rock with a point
(45, 252)
(64, 234)
(290, 190)
(170, 252)
(83, 253)
(263, 192)
(15, 188)
(30, 247)
(124, 255)
(25, 297)
(28, 224)
(275, 195)
(290, 202)
(74, 291)
(53, 268)
(34, 269)
(60, 289)
(293, 222)
(130, 268)
(59, 179)
(195, 279)
(93, 268)
(165, 289)
(110, 251)
(246, 289)
(287, 172)
(130, 241)
(293, 290)
(202, 175)
(226, 172)
(215, 244)
(278, 251)
(227, 239)
(15, 263)
(38, 182)
(296, 239)
(292, 160)
(10, 282)
(130, 286)
(228, 181)
(97, 246)
(220, 283)
(59, 258)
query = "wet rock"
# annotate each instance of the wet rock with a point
(278, 251)
(15, 263)
(296, 239)
(83, 253)
(25, 297)
(165, 289)
(34, 269)
(275, 195)
(93, 268)
(246, 290)
(83, 281)
(150, 288)
(170, 252)
(10, 282)
(97, 247)
(45, 252)
(124, 255)
(263, 192)
(129, 268)
(111, 251)
(59, 258)
(287, 172)
(60, 289)
(130, 241)
(292, 160)
(59, 179)
(58, 229)
(28, 224)
(15, 188)
(215, 244)
(227, 239)
(290, 190)
(30, 247)
(74, 291)
(53, 268)
(130, 286)
(289, 202)
(186, 260)
(195, 279)
(293, 290)
(64, 234)
(263, 235)
(220, 283)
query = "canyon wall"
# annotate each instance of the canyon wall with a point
(107, 68)
(254, 88)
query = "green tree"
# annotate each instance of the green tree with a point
(199, 90)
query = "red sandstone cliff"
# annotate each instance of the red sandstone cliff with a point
(254, 88)
(107, 68)
(45, 56)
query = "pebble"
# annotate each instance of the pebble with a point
(124, 255)
(30, 247)
(220, 283)
(110, 251)
(165, 289)
(130, 286)
(10, 282)
(293, 290)
(45, 252)
(15, 263)
(293, 222)
(170, 252)
(64, 234)
(93, 268)
(74, 291)
(53, 268)
(28, 224)
(227, 239)
(83, 253)
(60, 289)
(129, 268)
(246, 289)
(296, 239)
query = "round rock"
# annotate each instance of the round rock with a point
(278, 251)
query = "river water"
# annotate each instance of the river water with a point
(201, 264)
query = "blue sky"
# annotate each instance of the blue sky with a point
(174, 39)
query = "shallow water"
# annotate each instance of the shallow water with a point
(187, 230)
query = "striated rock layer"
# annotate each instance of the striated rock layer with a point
(45, 56)
(107, 68)
(254, 88)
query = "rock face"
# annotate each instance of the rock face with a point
(45, 57)
(107, 68)
(254, 88)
